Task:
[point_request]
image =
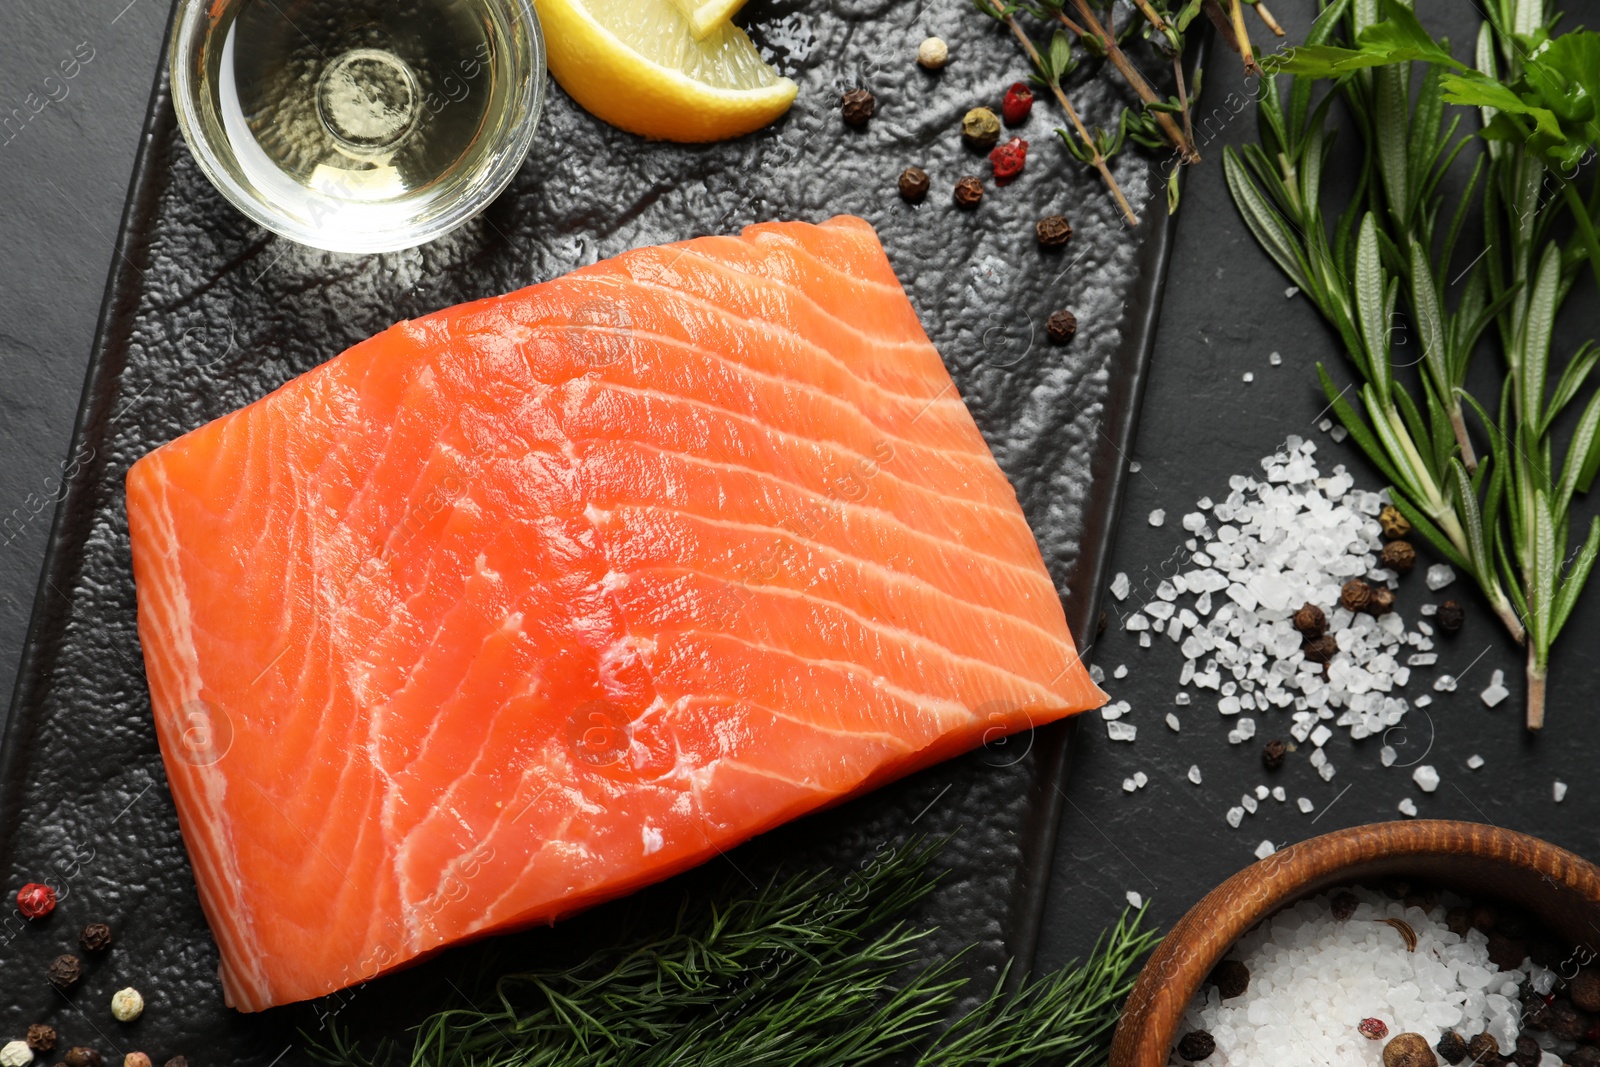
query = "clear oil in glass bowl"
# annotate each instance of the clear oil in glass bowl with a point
(358, 125)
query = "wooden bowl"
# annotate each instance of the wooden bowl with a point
(1561, 889)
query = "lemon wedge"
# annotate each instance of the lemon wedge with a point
(707, 15)
(638, 65)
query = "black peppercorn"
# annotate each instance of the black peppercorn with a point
(1452, 1047)
(1380, 601)
(96, 937)
(1583, 1056)
(1322, 650)
(1343, 906)
(1398, 556)
(1311, 622)
(857, 106)
(1061, 326)
(1394, 524)
(177, 1061)
(968, 192)
(41, 1037)
(1450, 617)
(1197, 1045)
(914, 184)
(1053, 231)
(82, 1056)
(1272, 754)
(65, 971)
(1527, 1052)
(1409, 1050)
(1231, 978)
(1507, 953)
(1567, 1022)
(1459, 920)
(1483, 1049)
(1354, 594)
(1484, 918)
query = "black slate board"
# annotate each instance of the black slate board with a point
(206, 312)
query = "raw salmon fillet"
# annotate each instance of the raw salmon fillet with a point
(533, 601)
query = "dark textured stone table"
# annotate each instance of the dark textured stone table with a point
(64, 167)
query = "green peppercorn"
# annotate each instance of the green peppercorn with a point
(980, 127)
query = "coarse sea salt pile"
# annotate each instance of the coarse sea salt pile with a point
(1227, 601)
(1314, 978)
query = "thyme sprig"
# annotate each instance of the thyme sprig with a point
(1504, 518)
(1156, 122)
(816, 970)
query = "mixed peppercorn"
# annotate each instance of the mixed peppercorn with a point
(64, 972)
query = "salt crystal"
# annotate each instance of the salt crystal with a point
(1129, 785)
(1135, 467)
(1305, 805)
(1096, 675)
(1264, 850)
(1194, 773)
(1279, 793)
(1249, 803)
(1429, 609)
(1338, 433)
(1136, 621)
(1141, 779)
(1204, 503)
(1497, 678)
(1493, 695)
(1121, 731)
(1144, 640)
(1157, 517)
(1235, 817)
(1408, 807)
(1558, 791)
(1262, 792)
(1440, 575)
(1320, 735)
(1249, 377)
(1475, 761)
(1325, 772)
(1422, 659)
(1445, 683)
(1422, 701)
(1135, 901)
(1325, 425)
(1110, 712)
(1120, 585)
(1275, 359)
(1247, 728)
(1228, 705)
(1387, 755)
(1172, 722)
(1426, 777)
(1182, 700)
(1289, 293)
(1121, 671)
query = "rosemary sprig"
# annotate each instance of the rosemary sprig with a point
(1505, 519)
(810, 971)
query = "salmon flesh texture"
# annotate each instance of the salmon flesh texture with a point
(530, 602)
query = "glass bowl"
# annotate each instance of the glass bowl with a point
(358, 125)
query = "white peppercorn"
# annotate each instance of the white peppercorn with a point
(127, 1005)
